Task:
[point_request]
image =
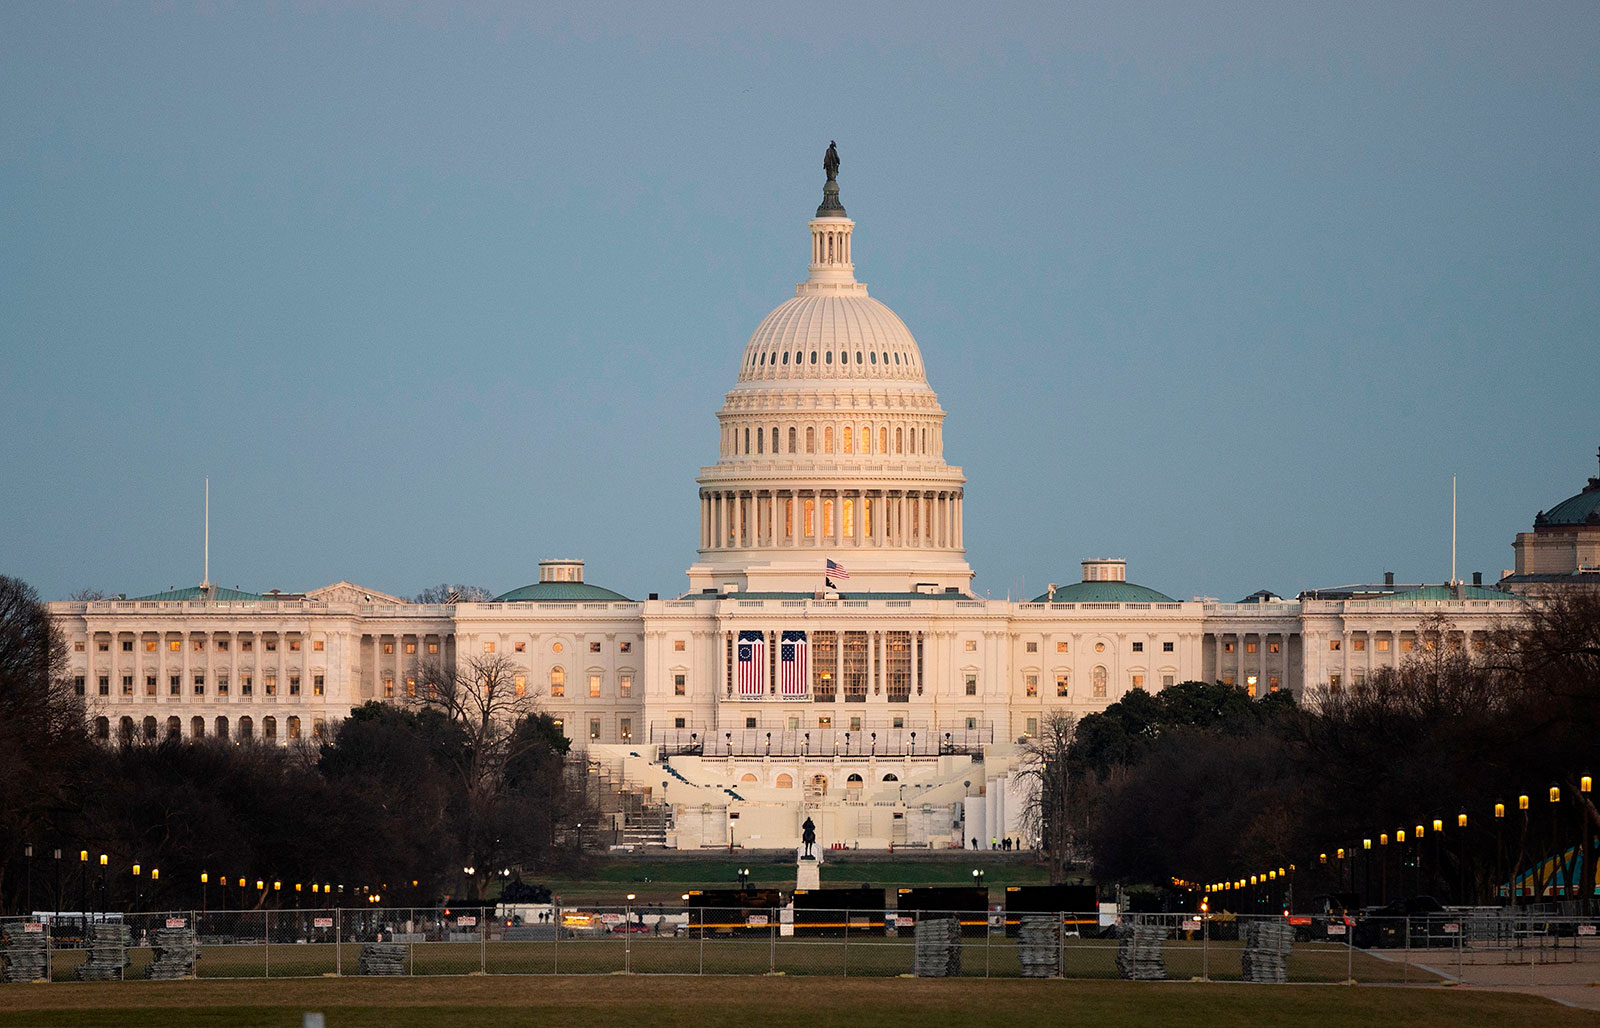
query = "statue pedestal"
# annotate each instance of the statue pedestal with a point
(808, 874)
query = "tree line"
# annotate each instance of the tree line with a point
(1203, 783)
(465, 773)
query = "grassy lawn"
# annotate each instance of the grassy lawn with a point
(777, 1002)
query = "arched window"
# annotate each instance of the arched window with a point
(786, 357)
(849, 440)
(874, 357)
(811, 440)
(1099, 680)
(269, 729)
(774, 438)
(222, 728)
(247, 728)
(866, 439)
(858, 358)
(827, 358)
(150, 729)
(125, 730)
(899, 440)
(747, 442)
(294, 727)
(827, 439)
(891, 777)
(791, 439)
(102, 728)
(853, 782)
(813, 356)
(883, 440)
(747, 779)
(197, 728)
(174, 728)
(784, 781)
(761, 441)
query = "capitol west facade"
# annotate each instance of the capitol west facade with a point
(890, 707)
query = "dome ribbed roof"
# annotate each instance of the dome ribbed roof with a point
(1582, 509)
(562, 592)
(1103, 592)
(820, 336)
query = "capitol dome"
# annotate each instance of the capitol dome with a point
(832, 445)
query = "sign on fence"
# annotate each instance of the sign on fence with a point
(1452, 929)
(467, 922)
(1586, 929)
(611, 920)
(902, 921)
(177, 922)
(1336, 929)
(1191, 925)
(36, 927)
(322, 922)
(758, 921)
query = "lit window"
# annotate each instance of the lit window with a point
(594, 647)
(1227, 647)
(317, 646)
(1061, 647)
(1383, 646)
(246, 685)
(150, 684)
(488, 646)
(1272, 647)
(197, 645)
(222, 646)
(294, 645)
(433, 647)
(1250, 647)
(625, 646)
(679, 686)
(388, 647)
(319, 685)
(1358, 644)
(1334, 683)
(1274, 683)
(388, 687)
(1031, 685)
(1062, 687)
(625, 686)
(972, 645)
(594, 685)
(269, 682)
(519, 685)
(520, 647)
(594, 729)
(1138, 681)
(174, 645)
(1334, 645)
(677, 646)
(411, 647)
(1031, 726)
(77, 646)
(972, 684)
(625, 729)
(1098, 679)
(558, 681)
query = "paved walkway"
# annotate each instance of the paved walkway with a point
(1573, 982)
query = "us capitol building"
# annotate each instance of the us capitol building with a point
(883, 698)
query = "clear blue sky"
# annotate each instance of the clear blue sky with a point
(1229, 290)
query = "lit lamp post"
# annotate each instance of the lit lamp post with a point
(58, 882)
(83, 887)
(103, 898)
(1522, 846)
(27, 851)
(1366, 860)
(1555, 835)
(1499, 845)
(1586, 896)
(136, 890)
(744, 879)
(204, 880)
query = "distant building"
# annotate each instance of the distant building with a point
(828, 656)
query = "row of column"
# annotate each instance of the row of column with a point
(877, 664)
(740, 519)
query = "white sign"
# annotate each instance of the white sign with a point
(611, 919)
(1451, 929)
(34, 927)
(1192, 925)
(757, 920)
(467, 922)
(177, 922)
(1336, 929)
(322, 922)
(1586, 929)
(902, 921)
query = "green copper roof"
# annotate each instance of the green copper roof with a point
(1443, 593)
(1103, 592)
(214, 594)
(1582, 509)
(562, 592)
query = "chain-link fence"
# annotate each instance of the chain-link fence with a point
(1485, 947)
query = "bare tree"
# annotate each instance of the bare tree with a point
(88, 596)
(446, 593)
(1044, 771)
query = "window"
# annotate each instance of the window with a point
(173, 645)
(594, 647)
(1138, 647)
(411, 688)
(318, 685)
(1250, 685)
(222, 683)
(1358, 644)
(1408, 644)
(1227, 647)
(103, 647)
(1098, 678)
(625, 646)
(679, 685)
(625, 686)
(387, 647)
(1031, 726)
(1166, 681)
(272, 645)
(127, 646)
(625, 729)
(197, 728)
(294, 685)
(855, 724)
(1062, 687)
(247, 728)
(269, 729)
(317, 646)
(1383, 646)
(520, 647)
(791, 430)
(1250, 647)
(77, 646)
(1228, 681)
(411, 647)
(1166, 647)
(222, 645)
(1030, 685)
(175, 685)
(825, 721)
(558, 681)
(77, 685)
(1099, 647)
(1061, 647)
(1335, 645)
(784, 781)
(388, 687)
(197, 645)
(246, 645)
(1274, 683)
(1335, 683)
(433, 647)
(270, 683)
(972, 724)
(1273, 646)
(488, 646)
(149, 646)
(1138, 681)
(971, 683)
(319, 729)
(150, 684)
(294, 646)
(199, 685)
(519, 686)
(677, 646)
(972, 645)
(594, 685)
(1032, 647)
(594, 729)
(127, 685)
(294, 728)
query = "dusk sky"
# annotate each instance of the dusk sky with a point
(1229, 290)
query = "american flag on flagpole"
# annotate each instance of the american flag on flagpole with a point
(836, 570)
(792, 664)
(752, 665)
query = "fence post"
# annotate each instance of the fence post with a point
(772, 935)
(483, 943)
(847, 941)
(988, 940)
(266, 938)
(1349, 952)
(338, 943)
(702, 912)
(555, 960)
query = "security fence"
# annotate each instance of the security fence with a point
(1477, 946)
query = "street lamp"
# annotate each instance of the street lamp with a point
(27, 851)
(204, 880)
(103, 861)
(58, 882)
(136, 887)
